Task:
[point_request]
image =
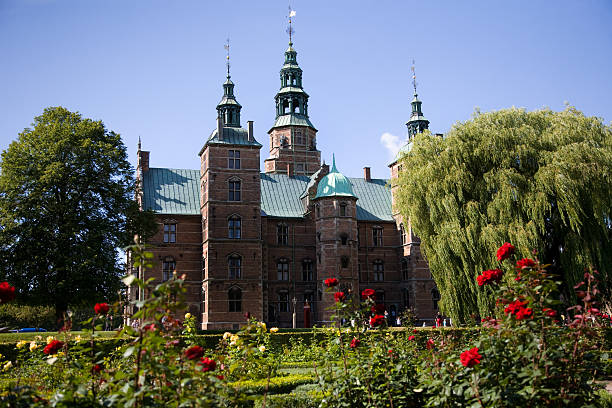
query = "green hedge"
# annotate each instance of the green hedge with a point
(277, 385)
(293, 400)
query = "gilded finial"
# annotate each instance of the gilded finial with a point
(414, 82)
(227, 48)
(290, 29)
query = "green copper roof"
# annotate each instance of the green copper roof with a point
(402, 151)
(334, 184)
(293, 89)
(231, 135)
(177, 191)
(292, 119)
(171, 191)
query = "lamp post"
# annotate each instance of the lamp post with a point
(294, 314)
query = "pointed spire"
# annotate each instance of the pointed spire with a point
(417, 122)
(334, 169)
(229, 108)
(139, 144)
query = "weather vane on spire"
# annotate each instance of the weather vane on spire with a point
(414, 82)
(227, 48)
(290, 29)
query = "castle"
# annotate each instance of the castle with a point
(263, 243)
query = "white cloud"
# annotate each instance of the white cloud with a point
(392, 143)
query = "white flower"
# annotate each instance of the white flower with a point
(33, 346)
(50, 339)
(8, 365)
(262, 348)
(77, 338)
(226, 335)
(274, 330)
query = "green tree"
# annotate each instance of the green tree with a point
(66, 205)
(541, 180)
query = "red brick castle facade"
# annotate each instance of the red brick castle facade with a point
(264, 243)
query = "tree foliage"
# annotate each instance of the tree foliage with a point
(66, 205)
(541, 180)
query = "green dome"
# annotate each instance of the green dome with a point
(334, 184)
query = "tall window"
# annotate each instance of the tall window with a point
(343, 209)
(169, 232)
(283, 302)
(435, 297)
(234, 227)
(307, 270)
(377, 236)
(404, 268)
(282, 269)
(234, 190)
(282, 233)
(406, 297)
(234, 263)
(344, 261)
(168, 268)
(403, 234)
(233, 159)
(379, 270)
(344, 239)
(234, 296)
(299, 138)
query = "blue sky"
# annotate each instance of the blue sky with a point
(154, 68)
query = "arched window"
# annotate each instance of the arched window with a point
(404, 268)
(435, 297)
(234, 296)
(307, 270)
(168, 268)
(343, 209)
(234, 227)
(377, 236)
(170, 232)
(403, 234)
(344, 239)
(379, 270)
(234, 263)
(234, 190)
(282, 269)
(283, 302)
(282, 234)
(344, 261)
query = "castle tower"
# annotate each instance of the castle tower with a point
(231, 219)
(337, 248)
(420, 294)
(293, 138)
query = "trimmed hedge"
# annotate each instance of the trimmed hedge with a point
(293, 400)
(278, 385)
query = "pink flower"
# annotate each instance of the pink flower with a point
(410, 338)
(355, 342)
(430, 344)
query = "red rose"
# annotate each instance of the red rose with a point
(410, 338)
(525, 263)
(331, 282)
(505, 251)
(96, 369)
(53, 347)
(513, 307)
(378, 309)
(355, 342)
(549, 312)
(7, 292)
(339, 296)
(149, 327)
(194, 352)
(470, 358)
(101, 308)
(208, 364)
(523, 313)
(367, 293)
(430, 344)
(221, 377)
(492, 275)
(377, 320)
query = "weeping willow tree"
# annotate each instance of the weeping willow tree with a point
(541, 180)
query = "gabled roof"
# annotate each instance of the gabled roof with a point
(177, 191)
(171, 191)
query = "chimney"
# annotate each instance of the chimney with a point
(250, 133)
(143, 161)
(289, 169)
(220, 127)
(366, 174)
